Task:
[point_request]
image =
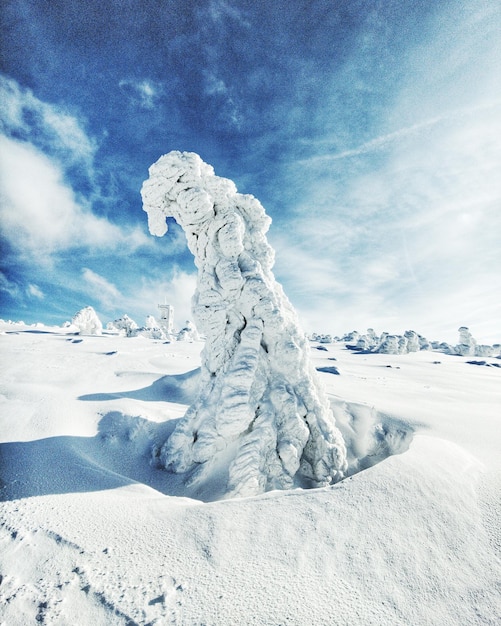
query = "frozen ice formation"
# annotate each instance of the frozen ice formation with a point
(87, 322)
(261, 421)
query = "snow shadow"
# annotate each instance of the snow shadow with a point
(122, 453)
(329, 369)
(178, 388)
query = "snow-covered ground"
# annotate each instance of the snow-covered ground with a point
(92, 532)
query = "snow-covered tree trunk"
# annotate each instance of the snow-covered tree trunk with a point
(261, 420)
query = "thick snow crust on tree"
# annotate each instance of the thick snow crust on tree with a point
(411, 341)
(468, 346)
(87, 322)
(261, 410)
(125, 325)
(188, 332)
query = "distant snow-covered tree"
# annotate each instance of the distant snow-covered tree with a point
(261, 419)
(87, 322)
(468, 346)
(151, 322)
(410, 341)
(126, 325)
(189, 332)
(369, 341)
(390, 345)
(413, 341)
(321, 338)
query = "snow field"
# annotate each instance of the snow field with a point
(93, 533)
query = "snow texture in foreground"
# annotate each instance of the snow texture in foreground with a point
(92, 534)
(261, 411)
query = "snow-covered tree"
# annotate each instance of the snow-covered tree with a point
(153, 329)
(189, 332)
(369, 341)
(391, 344)
(126, 325)
(261, 419)
(151, 322)
(413, 341)
(87, 322)
(467, 344)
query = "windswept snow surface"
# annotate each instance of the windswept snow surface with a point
(94, 533)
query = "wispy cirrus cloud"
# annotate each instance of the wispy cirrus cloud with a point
(35, 292)
(51, 128)
(385, 141)
(219, 11)
(101, 289)
(228, 110)
(406, 223)
(8, 287)
(411, 236)
(142, 93)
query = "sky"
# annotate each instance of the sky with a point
(369, 130)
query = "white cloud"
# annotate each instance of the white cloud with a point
(57, 132)
(101, 289)
(214, 85)
(140, 296)
(413, 240)
(39, 213)
(177, 291)
(394, 138)
(8, 286)
(404, 229)
(228, 110)
(141, 93)
(219, 11)
(35, 292)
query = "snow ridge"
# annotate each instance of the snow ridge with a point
(261, 420)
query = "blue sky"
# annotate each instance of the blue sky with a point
(368, 130)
